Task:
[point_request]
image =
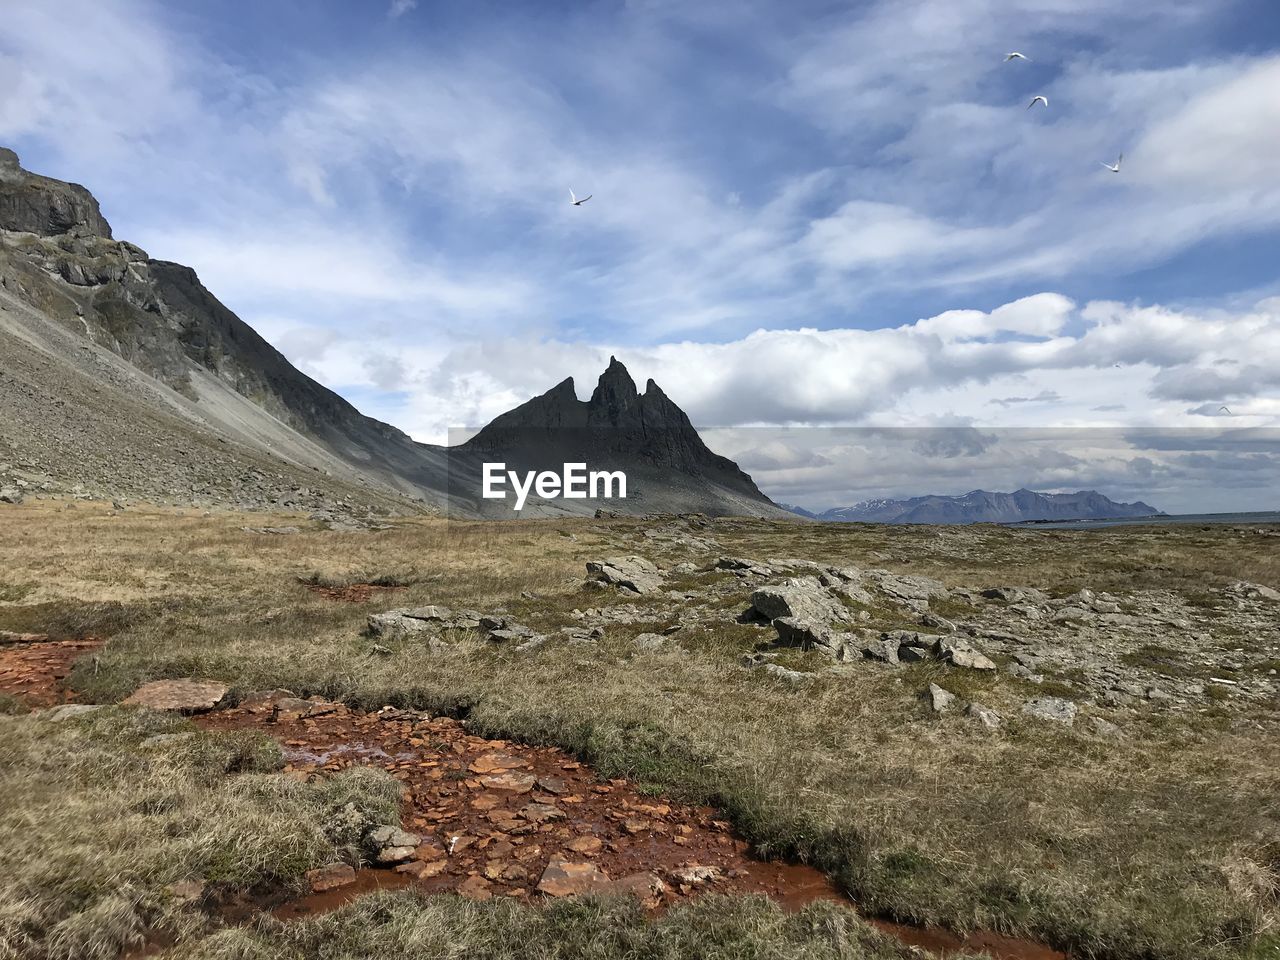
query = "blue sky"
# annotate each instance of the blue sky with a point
(815, 213)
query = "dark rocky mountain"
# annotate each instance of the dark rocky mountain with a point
(124, 375)
(980, 506)
(645, 435)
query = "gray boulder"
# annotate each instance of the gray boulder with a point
(940, 700)
(958, 653)
(983, 715)
(800, 598)
(1051, 708)
(635, 574)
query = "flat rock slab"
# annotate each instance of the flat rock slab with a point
(562, 878)
(331, 877)
(183, 696)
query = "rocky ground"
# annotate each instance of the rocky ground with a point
(1061, 735)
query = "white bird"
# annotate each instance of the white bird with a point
(1114, 167)
(1017, 56)
(1035, 100)
(573, 199)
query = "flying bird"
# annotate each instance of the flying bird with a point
(1017, 56)
(1227, 411)
(1114, 167)
(1035, 100)
(573, 199)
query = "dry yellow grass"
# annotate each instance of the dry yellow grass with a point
(1123, 848)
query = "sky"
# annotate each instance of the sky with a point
(804, 214)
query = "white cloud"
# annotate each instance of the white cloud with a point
(400, 7)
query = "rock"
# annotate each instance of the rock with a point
(648, 888)
(69, 711)
(884, 649)
(635, 574)
(394, 625)
(913, 653)
(586, 845)
(553, 785)
(476, 888)
(906, 586)
(695, 874)
(1103, 728)
(650, 641)
(184, 696)
(984, 715)
(511, 782)
(331, 877)
(958, 653)
(808, 635)
(393, 844)
(1016, 594)
(1051, 708)
(935, 622)
(10, 495)
(757, 661)
(940, 700)
(1241, 588)
(800, 598)
(563, 878)
(541, 812)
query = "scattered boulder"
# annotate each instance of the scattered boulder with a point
(1051, 708)
(909, 589)
(634, 574)
(883, 648)
(940, 700)
(650, 641)
(648, 888)
(800, 598)
(959, 653)
(1015, 594)
(758, 661)
(695, 874)
(10, 495)
(392, 845)
(1241, 588)
(983, 715)
(808, 635)
(183, 696)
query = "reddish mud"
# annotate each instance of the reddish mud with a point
(509, 811)
(36, 672)
(493, 816)
(353, 593)
(945, 943)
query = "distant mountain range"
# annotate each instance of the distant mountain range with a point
(981, 506)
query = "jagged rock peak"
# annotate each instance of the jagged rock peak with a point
(616, 382)
(31, 203)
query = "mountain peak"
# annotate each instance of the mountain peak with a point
(615, 392)
(30, 203)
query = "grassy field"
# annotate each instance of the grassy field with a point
(1164, 843)
(111, 823)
